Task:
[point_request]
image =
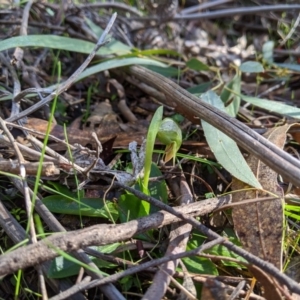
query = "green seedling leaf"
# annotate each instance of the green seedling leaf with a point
(62, 268)
(196, 64)
(151, 136)
(169, 134)
(278, 107)
(251, 67)
(90, 207)
(225, 149)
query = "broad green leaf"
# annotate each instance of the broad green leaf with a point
(196, 64)
(62, 268)
(62, 43)
(131, 207)
(225, 149)
(251, 67)
(199, 89)
(275, 106)
(90, 207)
(200, 265)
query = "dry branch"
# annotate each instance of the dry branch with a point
(97, 235)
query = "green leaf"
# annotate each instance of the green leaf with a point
(163, 70)
(131, 208)
(221, 250)
(251, 67)
(225, 149)
(62, 268)
(150, 142)
(76, 45)
(200, 88)
(197, 240)
(91, 207)
(196, 64)
(157, 189)
(200, 265)
(117, 63)
(151, 52)
(275, 106)
(64, 191)
(62, 43)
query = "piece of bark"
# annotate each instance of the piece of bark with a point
(259, 225)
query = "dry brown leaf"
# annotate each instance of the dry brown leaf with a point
(271, 292)
(259, 225)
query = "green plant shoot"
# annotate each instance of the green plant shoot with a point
(169, 133)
